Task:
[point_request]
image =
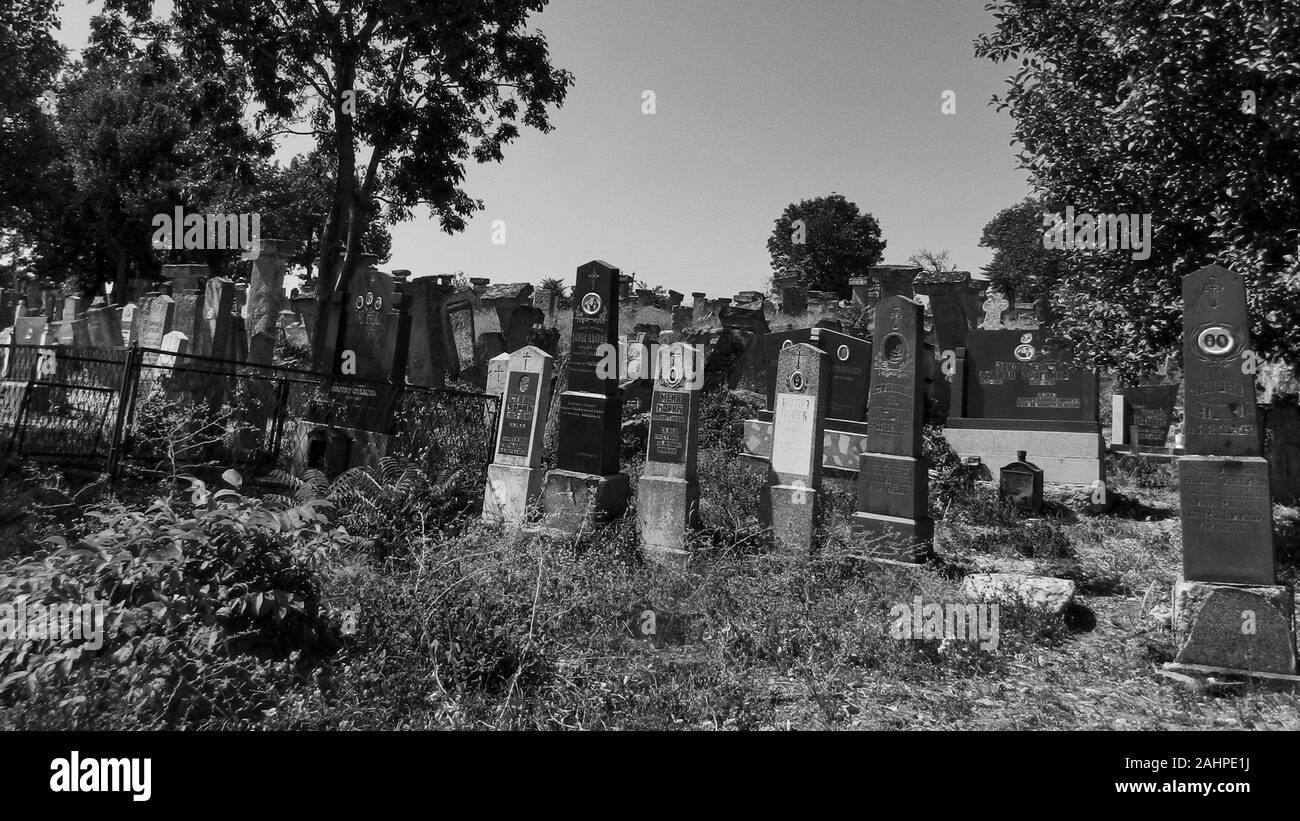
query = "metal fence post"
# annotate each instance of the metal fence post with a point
(125, 399)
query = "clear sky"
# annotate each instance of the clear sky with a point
(758, 103)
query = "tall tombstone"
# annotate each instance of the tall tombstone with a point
(129, 318)
(265, 297)
(586, 485)
(1229, 611)
(794, 475)
(893, 478)
(668, 493)
(156, 322)
(212, 330)
(188, 284)
(515, 477)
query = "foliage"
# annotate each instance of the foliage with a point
(196, 589)
(423, 86)
(1021, 267)
(839, 242)
(1182, 109)
(934, 262)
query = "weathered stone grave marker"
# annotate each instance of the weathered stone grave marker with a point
(790, 499)
(515, 477)
(893, 482)
(586, 485)
(668, 493)
(1229, 611)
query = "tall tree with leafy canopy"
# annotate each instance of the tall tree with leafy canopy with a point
(422, 86)
(30, 59)
(826, 240)
(1188, 110)
(1021, 267)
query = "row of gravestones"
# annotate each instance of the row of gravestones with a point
(587, 486)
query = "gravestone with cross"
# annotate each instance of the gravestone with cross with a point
(790, 499)
(893, 478)
(1229, 611)
(668, 493)
(515, 477)
(586, 485)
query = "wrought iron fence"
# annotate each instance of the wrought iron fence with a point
(157, 410)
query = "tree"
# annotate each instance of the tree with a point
(825, 240)
(1181, 109)
(423, 86)
(30, 59)
(932, 262)
(1021, 267)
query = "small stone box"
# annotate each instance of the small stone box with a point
(1021, 485)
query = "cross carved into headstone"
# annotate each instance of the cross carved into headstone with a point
(1212, 290)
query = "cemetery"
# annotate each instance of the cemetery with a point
(317, 492)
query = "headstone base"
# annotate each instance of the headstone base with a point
(1235, 626)
(1227, 517)
(571, 500)
(904, 540)
(795, 508)
(667, 510)
(1067, 457)
(511, 489)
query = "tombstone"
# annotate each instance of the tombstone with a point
(1142, 415)
(428, 351)
(156, 320)
(1229, 575)
(1020, 484)
(188, 284)
(850, 369)
(515, 477)
(6, 351)
(1020, 390)
(947, 294)
(216, 323)
(1283, 425)
(790, 499)
(29, 330)
(367, 332)
(174, 343)
(586, 485)
(895, 280)
(128, 319)
(893, 482)
(265, 296)
(668, 493)
(105, 327)
(497, 374)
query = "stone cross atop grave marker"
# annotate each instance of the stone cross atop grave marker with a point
(515, 477)
(994, 307)
(668, 494)
(586, 485)
(893, 477)
(790, 499)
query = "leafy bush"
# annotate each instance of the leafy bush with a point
(202, 598)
